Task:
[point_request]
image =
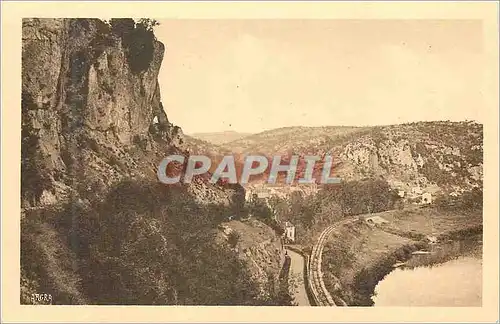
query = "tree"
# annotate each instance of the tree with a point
(366, 196)
(233, 238)
(278, 206)
(258, 208)
(148, 23)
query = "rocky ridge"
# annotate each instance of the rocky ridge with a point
(435, 156)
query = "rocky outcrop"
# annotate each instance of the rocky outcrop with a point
(91, 107)
(436, 156)
(419, 155)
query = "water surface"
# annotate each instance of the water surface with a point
(450, 276)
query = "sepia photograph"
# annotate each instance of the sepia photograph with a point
(291, 162)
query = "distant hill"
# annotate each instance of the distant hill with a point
(196, 145)
(220, 137)
(435, 156)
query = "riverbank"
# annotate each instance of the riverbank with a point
(358, 255)
(450, 276)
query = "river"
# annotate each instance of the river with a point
(297, 277)
(450, 276)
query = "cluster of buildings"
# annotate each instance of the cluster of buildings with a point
(265, 191)
(415, 193)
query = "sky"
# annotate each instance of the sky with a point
(256, 75)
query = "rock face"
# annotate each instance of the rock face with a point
(97, 226)
(258, 246)
(89, 98)
(436, 156)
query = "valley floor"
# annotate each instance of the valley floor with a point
(297, 276)
(357, 255)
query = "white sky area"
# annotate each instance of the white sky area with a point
(254, 75)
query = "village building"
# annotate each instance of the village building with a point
(432, 239)
(263, 193)
(426, 198)
(289, 232)
(248, 194)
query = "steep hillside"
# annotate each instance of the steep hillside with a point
(444, 156)
(198, 146)
(97, 227)
(282, 140)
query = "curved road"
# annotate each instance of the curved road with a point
(297, 271)
(315, 274)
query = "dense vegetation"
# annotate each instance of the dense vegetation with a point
(138, 40)
(331, 203)
(145, 243)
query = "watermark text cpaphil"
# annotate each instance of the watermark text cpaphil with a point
(303, 170)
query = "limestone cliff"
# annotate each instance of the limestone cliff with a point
(434, 156)
(440, 156)
(97, 226)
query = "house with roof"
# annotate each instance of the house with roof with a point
(289, 232)
(375, 220)
(426, 198)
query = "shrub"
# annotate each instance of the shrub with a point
(148, 23)
(233, 238)
(366, 196)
